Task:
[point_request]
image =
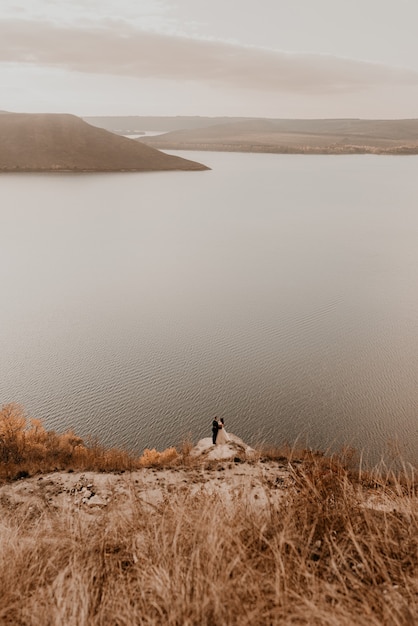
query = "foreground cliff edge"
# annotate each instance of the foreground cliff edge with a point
(91, 536)
(62, 142)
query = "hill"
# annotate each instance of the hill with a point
(61, 142)
(296, 136)
(127, 124)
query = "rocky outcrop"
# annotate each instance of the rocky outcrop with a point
(234, 449)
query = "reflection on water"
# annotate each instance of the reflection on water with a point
(277, 291)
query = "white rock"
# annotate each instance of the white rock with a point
(234, 448)
(96, 501)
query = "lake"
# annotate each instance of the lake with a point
(277, 291)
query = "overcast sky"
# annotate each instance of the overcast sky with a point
(264, 58)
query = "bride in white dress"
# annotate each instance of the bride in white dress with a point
(222, 437)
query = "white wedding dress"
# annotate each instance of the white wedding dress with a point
(222, 437)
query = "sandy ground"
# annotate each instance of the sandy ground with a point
(257, 483)
(230, 471)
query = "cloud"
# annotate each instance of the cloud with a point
(116, 48)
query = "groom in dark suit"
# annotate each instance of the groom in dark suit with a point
(215, 428)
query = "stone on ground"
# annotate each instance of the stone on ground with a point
(227, 451)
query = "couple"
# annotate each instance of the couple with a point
(219, 434)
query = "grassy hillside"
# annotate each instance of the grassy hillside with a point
(140, 123)
(55, 142)
(297, 136)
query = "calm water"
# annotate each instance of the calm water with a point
(277, 291)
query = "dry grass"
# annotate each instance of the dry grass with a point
(322, 555)
(26, 448)
(153, 458)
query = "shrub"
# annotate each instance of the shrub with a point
(152, 458)
(26, 446)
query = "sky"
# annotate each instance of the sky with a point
(252, 58)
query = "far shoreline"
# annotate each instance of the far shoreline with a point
(287, 150)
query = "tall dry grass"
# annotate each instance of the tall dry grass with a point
(26, 447)
(321, 557)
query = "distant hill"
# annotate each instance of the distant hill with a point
(139, 123)
(332, 136)
(60, 142)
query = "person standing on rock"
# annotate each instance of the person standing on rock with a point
(215, 429)
(222, 436)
